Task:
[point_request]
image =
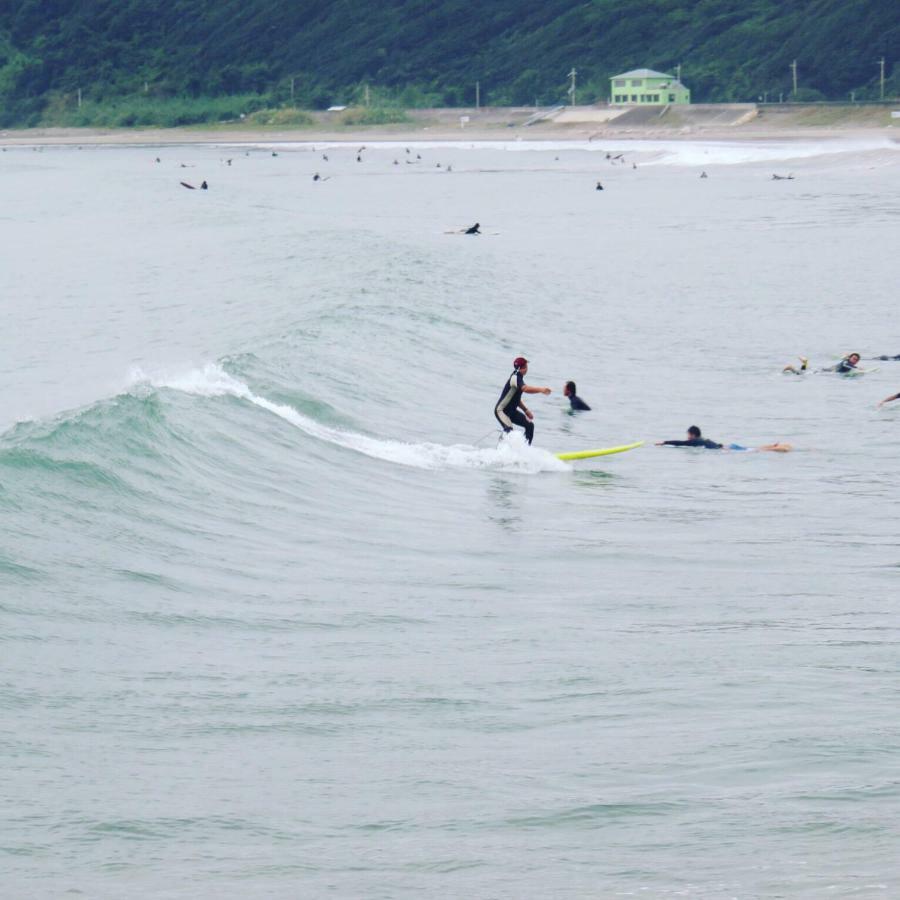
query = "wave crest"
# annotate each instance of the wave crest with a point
(512, 455)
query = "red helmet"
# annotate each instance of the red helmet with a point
(519, 361)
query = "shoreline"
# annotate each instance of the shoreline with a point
(177, 136)
(748, 123)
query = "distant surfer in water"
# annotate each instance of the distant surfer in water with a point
(575, 402)
(507, 409)
(475, 229)
(695, 439)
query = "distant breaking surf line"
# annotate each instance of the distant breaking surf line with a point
(213, 381)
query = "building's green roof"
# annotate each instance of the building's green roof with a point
(644, 73)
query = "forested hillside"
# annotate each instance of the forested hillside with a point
(219, 57)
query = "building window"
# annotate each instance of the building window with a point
(643, 98)
(671, 98)
(634, 98)
(656, 98)
(620, 82)
(636, 82)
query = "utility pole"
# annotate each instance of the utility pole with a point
(79, 98)
(367, 96)
(678, 73)
(477, 95)
(292, 89)
(572, 75)
(793, 68)
(881, 63)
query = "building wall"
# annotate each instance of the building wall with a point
(647, 92)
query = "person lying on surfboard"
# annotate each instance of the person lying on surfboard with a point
(507, 409)
(695, 439)
(575, 402)
(847, 366)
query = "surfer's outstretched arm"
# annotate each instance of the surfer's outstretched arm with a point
(889, 399)
(527, 389)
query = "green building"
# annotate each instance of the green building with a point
(644, 87)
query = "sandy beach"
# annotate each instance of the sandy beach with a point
(716, 122)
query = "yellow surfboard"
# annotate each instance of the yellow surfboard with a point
(603, 451)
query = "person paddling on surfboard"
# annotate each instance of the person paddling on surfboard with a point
(695, 439)
(849, 365)
(507, 409)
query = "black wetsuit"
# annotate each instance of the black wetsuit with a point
(706, 443)
(577, 403)
(845, 366)
(507, 410)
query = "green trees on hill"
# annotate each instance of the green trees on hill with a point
(140, 57)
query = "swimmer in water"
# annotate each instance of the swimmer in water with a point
(575, 402)
(889, 400)
(475, 229)
(695, 439)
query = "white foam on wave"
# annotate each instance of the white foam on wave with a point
(660, 152)
(735, 153)
(512, 455)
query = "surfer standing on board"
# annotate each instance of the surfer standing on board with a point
(507, 409)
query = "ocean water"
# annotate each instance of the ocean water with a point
(278, 618)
